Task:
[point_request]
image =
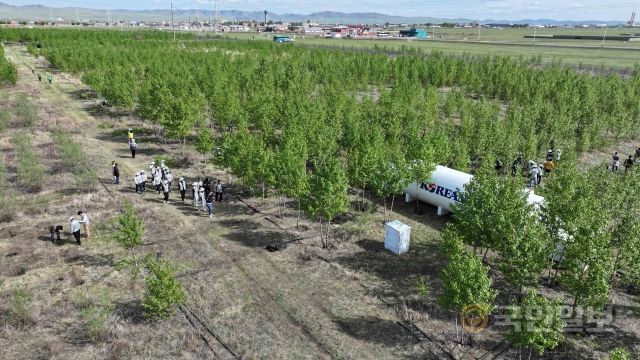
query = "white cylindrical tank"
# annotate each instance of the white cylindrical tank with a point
(444, 188)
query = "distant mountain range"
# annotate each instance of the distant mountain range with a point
(39, 12)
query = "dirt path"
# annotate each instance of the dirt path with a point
(262, 305)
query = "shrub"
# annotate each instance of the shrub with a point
(18, 313)
(619, 354)
(25, 111)
(164, 292)
(29, 167)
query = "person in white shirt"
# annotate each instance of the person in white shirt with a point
(218, 190)
(165, 190)
(157, 181)
(182, 185)
(136, 180)
(74, 229)
(84, 220)
(203, 200)
(143, 181)
(169, 178)
(196, 192)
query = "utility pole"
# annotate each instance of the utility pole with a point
(535, 30)
(172, 24)
(605, 34)
(479, 30)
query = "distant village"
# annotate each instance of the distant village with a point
(387, 30)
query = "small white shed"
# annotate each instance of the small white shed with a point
(397, 237)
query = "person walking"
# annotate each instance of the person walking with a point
(74, 228)
(533, 174)
(39, 77)
(116, 174)
(637, 154)
(84, 220)
(615, 163)
(207, 185)
(549, 166)
(129, 135)
(50, 78)
(218, 188)
(143, 181)
(499, 166)
(157, 181)
(195, 191)
(133, 146)
(516, 164)
(169, 178)
(209, 201)
(165, 190)
(136, 180)
(628, 163)
(202, 197)
(182, 185)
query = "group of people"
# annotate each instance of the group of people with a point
(533, 169)
(628, 163)
(75, 224)
(202, 193)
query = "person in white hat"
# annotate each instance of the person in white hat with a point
(143, 181)
(203, 200)
(195, 192)
(165, 190)
(182, 185)
(137, 181)
(129, 135)
(157, 181)
(169, 178)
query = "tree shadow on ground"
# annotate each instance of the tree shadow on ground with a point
(372, 329)
(131, 311)
(92, 260)
(253, 234)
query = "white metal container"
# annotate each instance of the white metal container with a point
(397, 237)
(444, 189)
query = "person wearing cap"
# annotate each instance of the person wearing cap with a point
(195, 191)
(130, 135)
(137, 180)
(533, 174)
(169, 177)
(84, 220)
(74, 228)
(202, 197)
(143, 181)
(182, 185)
(133, 146)
(165, 190)
(157, 181)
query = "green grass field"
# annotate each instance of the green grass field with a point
(506, 42)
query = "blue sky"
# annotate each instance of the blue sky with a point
(496, 9)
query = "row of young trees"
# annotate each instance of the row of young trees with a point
(586, 238)
(312, 123)
(8, 71)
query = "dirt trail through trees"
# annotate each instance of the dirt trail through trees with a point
(261, 304)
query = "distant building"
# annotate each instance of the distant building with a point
(414, 33)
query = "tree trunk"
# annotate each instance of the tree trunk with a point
(484, 257)
(393, 199)
(615, 268)
(530, 351)
(457, 329)
(298, 218)
(384, 213)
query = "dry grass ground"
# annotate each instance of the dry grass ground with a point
(355, 301)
